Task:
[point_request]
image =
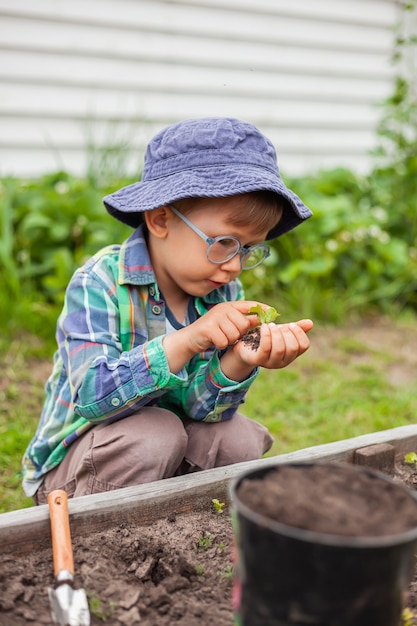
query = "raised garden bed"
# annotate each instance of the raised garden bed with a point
(159, 553)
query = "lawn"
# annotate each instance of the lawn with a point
(356, 379)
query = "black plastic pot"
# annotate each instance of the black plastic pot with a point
(287, 576)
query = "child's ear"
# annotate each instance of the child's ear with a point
(157, 221)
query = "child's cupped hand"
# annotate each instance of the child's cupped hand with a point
(279, 345)
(224, 326)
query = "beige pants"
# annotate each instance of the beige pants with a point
(150, 445)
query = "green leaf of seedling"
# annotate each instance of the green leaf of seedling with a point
(218, 506)
(265, 317)
(411, 458)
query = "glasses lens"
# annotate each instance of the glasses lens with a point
(222, 249)
(255, 256)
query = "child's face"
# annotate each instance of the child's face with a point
(180, 258)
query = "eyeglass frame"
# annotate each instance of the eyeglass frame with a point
(244, 251)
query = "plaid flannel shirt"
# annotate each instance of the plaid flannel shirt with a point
(110, 361)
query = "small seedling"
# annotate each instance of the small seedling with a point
(199, 569)
(253, 337)
(218, 506)
(101, 611)
(205, 541)
(228, 572)
(227, 575)
(411, 459)
(265, 317)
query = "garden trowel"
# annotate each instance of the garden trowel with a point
(69, 606)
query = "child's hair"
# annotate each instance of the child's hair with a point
(263, 209)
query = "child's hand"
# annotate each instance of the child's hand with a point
(280, 345)
(221, 327)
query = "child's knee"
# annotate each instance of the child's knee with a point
(144, 447)
(224, 443)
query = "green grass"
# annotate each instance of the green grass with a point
(22, 361)
(342, 387)
(335, 392)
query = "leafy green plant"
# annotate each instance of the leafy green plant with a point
(218, 506)
(205, 541)
(102, 611)
(411, 459)
(48, 227)
(227, 574)
(264, 316)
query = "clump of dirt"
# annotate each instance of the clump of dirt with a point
(252, 338)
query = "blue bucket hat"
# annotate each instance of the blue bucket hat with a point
(208, 157)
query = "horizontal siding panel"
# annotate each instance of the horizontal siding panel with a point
(305, 113)
(113, 77)
(83, 42)
(120, 36)
(70, 135)
(21, 66)
(84, 104)
(353, 12)
(186, 16)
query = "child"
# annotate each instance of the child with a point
(150, 368)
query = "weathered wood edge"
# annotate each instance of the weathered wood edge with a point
(25, 529)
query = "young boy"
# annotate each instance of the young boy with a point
(150, 368)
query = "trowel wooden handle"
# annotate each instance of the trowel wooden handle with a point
(60, 530)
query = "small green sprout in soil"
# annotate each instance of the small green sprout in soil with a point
(205, 542)
(218, 506)
(100, 611)
(199, 570)
(411, 459)
(226, 575)
(253, 336)
(228, 572)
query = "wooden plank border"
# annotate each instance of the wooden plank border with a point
(27, 529)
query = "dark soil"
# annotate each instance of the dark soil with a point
(336, 499)
(252, 338)
(175, 572)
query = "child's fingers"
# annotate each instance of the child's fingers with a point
(245, 305)
(306, 325)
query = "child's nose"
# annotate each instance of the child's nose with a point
(233, 265)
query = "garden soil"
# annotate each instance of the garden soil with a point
(177, 572)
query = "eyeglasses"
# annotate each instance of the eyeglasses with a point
(223, 249)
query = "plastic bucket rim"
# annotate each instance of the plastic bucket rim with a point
(310, 536)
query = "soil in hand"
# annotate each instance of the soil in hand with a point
(252, 338)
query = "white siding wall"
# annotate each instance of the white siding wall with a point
(308, 73)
